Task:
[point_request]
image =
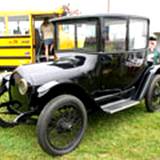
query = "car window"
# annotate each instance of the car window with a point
(78, 35)
(137, 37)
(86, 36)
(66, 36)
(114, 34)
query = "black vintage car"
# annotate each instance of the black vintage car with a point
(102, 64)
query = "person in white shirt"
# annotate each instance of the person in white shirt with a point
(47, 30)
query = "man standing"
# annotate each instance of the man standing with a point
(153, 56)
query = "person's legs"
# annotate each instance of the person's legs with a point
(47, 43)
(51, 48)
(52, 51)
(46, 52)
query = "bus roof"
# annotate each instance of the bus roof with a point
(51, 13)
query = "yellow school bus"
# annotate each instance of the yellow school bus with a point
(18, 36)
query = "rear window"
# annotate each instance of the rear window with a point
(138, 37)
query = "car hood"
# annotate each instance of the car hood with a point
(68, 67)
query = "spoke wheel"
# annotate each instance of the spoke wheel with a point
(61, 125)
(152, 98)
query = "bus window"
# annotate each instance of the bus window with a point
(18, 25)
(2, 26)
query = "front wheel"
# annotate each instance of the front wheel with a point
(152, 98)
(61, 125)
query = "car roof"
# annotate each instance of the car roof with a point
(121, 16)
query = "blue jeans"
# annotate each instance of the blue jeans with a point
(48, 41)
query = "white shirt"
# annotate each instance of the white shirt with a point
(47, 31)
(150, 57)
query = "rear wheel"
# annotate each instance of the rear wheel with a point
(152, 98)
(61, 125)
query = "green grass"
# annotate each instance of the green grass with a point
(133, 134)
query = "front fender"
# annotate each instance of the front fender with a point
(43, 89)
(155, 69)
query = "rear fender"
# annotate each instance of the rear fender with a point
(155, 69)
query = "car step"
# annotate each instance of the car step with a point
(118, 105)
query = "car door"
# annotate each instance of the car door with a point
(123, 60)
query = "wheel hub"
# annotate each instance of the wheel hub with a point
(63, 125)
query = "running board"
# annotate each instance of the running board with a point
(118, 105)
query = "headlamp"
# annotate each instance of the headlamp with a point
(22, 86)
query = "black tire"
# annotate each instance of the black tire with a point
(152, 98)
(61, 117)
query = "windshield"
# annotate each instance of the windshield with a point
(79, 35)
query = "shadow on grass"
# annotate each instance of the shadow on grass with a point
(100, 120)
(96, 120)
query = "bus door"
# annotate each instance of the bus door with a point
(38, 42)
(37, 38)
(16, 46)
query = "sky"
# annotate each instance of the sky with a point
(147, 8)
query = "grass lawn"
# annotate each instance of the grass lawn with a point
(132, 134)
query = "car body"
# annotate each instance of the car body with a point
(105, 68)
